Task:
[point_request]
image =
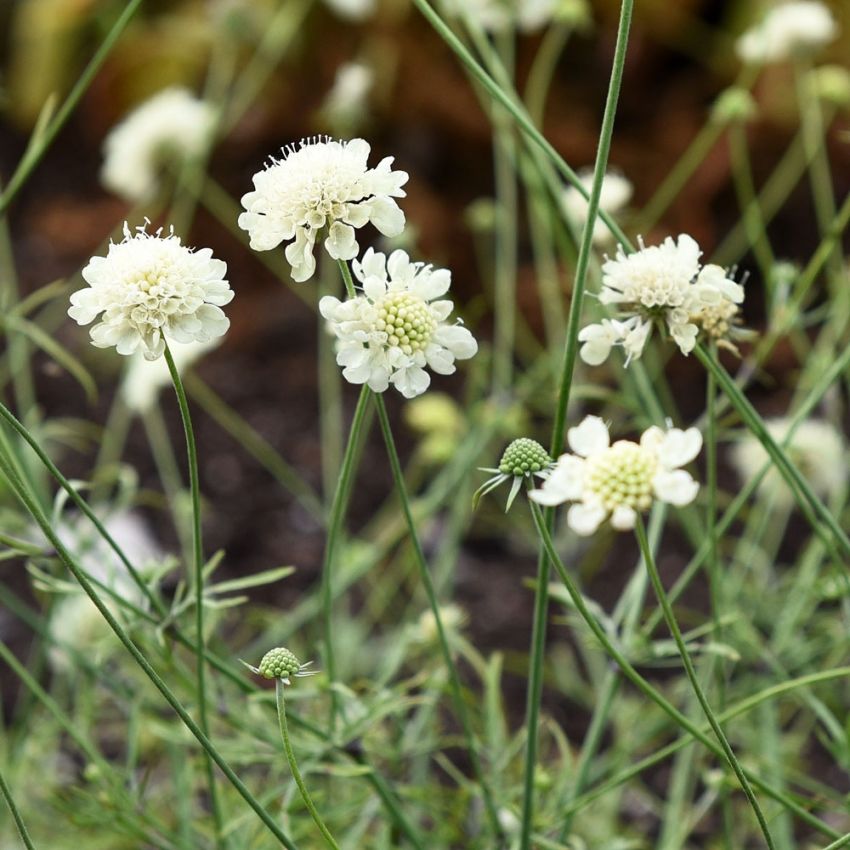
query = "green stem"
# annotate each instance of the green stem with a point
(34, 153)
(335, 522)
(428, 584)
(645, 687)
(538, 646)
(197, 577)
(293, 766)
(19, 821)
(673, 625)
(70, 563)
(813, 507)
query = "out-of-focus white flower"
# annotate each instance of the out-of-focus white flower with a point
(347, 102)
(171, 126)
(353, 10)
(620, 480)
(321, 184)
(75, 623)
(144, 379)
(499, 15)
(787, 30)
(817, 449)
(663, 283)
(616, 193)
(390, 333)
(452, 616)
(150, 288)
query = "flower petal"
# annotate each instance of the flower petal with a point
(589, 437)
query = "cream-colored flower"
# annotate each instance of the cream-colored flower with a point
(168, 128)
(663, 283)
(788, 30)
(616, 193)
(817, 449)
(322, 186)
(143, 378)
(397, 327)
(620, 480)
(150, 288)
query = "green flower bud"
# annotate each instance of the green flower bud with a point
(279, 663)
(524, 456)
(734, 106)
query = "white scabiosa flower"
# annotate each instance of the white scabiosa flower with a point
(787, 30)
(620, 480)
(171, 126)
(145, 378)
(663, 283)
(320, 186)
(150, 288)
(397, 327)
(816, 448)
(616, 193)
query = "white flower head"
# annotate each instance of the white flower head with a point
(816, 448)
(397, 327)
(171, 126)
(150, 288)
(143, 378)
(346, 105)
(321, 185)
(663, 283)
(616, 193)
(619, 481)
(787, 30)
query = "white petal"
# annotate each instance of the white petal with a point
(623, 518)
(589, 437)
(299, 254)
(566, 480)
(385, 214)
(676, 487)
(341, 243)
(585, 518)
(458, 340)
(679, 447)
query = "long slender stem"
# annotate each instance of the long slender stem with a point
(293, 766)
(646, 688)
(41, 519)
(428, 584)
(19, 821)
(691, 673)
(197, 578)
(538, 646)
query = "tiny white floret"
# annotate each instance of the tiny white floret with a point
(150, 288)
(322, 187)
(619, 481)
(170, 127)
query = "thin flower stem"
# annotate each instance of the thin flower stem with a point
(541, 604)
(293, 766)
(35, 152)
(335, 521)
(197, 578)
(673, 625)
(646, 688)
(345, 271)
(428, 584)
(19, 821)
(41, 519)
(812, 506)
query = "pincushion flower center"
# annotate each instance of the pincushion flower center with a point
(656, 290)
(621, 476)
(407, 321)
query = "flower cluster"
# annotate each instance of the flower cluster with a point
(150, 288)
(170, 127)
(397, 327)
(663, 283)
(620, 480)
(320, 186)
(787, 30)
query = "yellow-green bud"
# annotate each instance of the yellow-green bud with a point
(734, 106)
(523, 457)
(279, 663)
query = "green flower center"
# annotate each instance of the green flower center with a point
(279, 663)
(621, 476)
(524, 456)
(407, 321)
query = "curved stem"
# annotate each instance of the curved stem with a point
(293, 766)
(428, 584)
(197, 577)
(670, 617)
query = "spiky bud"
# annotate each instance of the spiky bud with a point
(524, 456)
(279, 663)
